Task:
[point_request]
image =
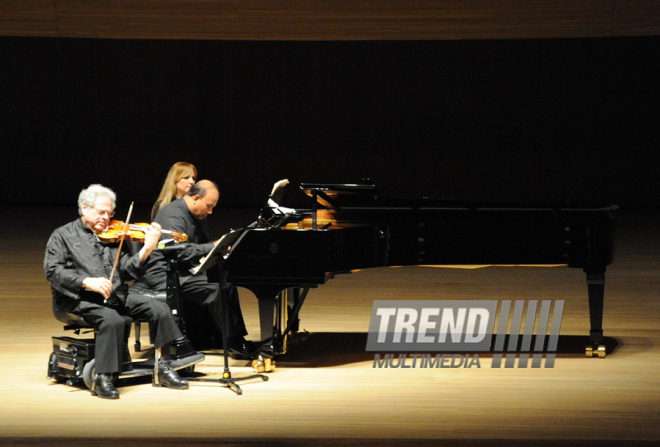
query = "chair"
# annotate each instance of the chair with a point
(72, 359)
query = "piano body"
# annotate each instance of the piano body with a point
(351, 227)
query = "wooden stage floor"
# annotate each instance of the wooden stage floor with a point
(327, 392)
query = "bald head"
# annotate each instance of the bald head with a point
(202, 187)
(202, 198)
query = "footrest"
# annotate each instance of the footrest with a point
(144, 367)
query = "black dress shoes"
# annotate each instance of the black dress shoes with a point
(242, 349)
(104, 388)
(168, 377)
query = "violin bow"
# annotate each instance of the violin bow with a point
(121, 241)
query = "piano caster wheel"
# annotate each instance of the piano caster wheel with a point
(599, 351)
(262, 365)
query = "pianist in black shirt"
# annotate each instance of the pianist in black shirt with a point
(78, 267)
(202, 308)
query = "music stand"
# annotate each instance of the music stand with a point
(226, 378)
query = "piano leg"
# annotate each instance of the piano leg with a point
(267, 323)
(596, 288)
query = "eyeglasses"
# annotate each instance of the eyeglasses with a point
(102, 212)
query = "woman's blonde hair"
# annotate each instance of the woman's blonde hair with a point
(178, 171)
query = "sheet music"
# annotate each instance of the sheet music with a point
(221, 248)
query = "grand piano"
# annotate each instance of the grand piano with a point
(289, 251)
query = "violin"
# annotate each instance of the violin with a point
(120, 231)
(117, 230)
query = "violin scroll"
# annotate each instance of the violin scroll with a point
(179, 237)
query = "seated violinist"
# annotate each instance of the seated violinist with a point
(79, 269)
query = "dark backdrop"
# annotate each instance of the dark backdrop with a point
(512, 120)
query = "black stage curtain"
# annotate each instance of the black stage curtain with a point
(506, 120)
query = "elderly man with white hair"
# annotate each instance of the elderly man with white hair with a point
(78, 267)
